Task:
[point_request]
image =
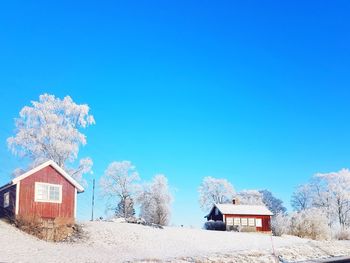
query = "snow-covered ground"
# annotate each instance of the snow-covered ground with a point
(120, 242)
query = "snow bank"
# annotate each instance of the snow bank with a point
(120, 242)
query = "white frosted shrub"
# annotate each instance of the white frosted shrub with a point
(280, 224)
(343, 234)
(311, 223)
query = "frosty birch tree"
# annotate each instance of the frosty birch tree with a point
(337, 194)
(250, 197)
(147, 208)
(155, 201)
(161, 198)
(49, 129)
(322, 199)
(310, 223)
(329, 192)
(125, 208)
(274, 204)
(302, 197)
(119, 185)
(214, 191)
(280, 224)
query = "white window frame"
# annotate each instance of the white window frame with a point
(244, 221)
(258, 222)
(236, 221)
(6, 199)
(229, 221)
(48, 193)
(251, 221)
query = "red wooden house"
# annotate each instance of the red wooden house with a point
(46, 192)
(252, 217)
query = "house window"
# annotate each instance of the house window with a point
(6, 199)
(51, 193)
(236, 221)
(251, 221)
(229, 221)
(258, 222)
(244, 221)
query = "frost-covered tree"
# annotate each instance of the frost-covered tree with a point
(215, 191)
(302, 197)
(155, 201)
(49, 129)
(119, 185)
(147, 206)
(274, 204)
(322, 199)
(280, 224)
(250, 197)
(310, 223)
(125, 208)
(328, 192)
(162, 199)
(335, 192)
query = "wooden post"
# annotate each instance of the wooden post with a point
(93, 199)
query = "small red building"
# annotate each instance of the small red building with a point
(46, 192)
(235, 216)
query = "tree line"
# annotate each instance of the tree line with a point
(51, 128)
(120, 185)
(220, 191)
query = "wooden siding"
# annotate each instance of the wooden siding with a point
(28, 206)
(9, 211)
(265, 221)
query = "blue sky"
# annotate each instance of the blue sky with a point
(255, 92)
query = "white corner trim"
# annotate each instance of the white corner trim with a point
(18, 187)
(56, 167)
(75, 202)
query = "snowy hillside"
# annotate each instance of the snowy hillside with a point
(118, 242)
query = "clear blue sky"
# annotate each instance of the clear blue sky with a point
(256, 92)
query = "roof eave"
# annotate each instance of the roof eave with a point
(79, 188)
(6, 186)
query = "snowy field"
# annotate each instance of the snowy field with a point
(120, 242)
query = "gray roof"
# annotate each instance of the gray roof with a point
(231, 209)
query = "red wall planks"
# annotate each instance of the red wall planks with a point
(27, 205)
(265, 221)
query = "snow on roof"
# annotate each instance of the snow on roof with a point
(232, 209)
(56, 167)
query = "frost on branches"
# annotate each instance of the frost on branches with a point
(215, 191)
(250, 197)
(334, 194)
(280, 224)
(261, 197)
(310, 223)
(155, 200)
(119, 185)
(125, 208)
(274, 204)
(302, 197)
(49, 129)
(329, 195)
